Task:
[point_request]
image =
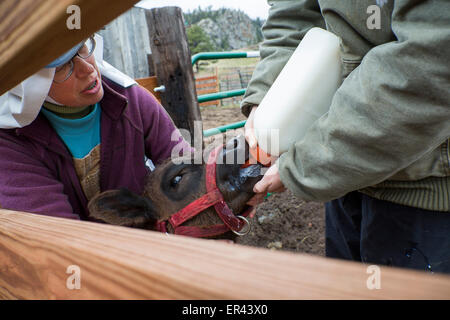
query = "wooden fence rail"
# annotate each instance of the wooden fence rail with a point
(205, 85)
(150, 83)
(40, 256)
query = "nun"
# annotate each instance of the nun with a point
(76, 128)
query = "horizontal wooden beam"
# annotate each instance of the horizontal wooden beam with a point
(150, 83)
(201, 79)
(35, 32)
(206, 85)
(40, 256)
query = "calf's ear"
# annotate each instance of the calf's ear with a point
(123, 207)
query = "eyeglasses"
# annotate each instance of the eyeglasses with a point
(62, 73)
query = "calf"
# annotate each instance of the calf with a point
(201, 200)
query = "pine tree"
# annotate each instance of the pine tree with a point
(198, 40)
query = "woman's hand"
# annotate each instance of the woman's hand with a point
(271, 182)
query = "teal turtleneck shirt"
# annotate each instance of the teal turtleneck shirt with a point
(80, 135)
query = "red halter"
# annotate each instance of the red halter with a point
(213, 197)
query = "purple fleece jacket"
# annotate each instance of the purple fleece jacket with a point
(36, 169)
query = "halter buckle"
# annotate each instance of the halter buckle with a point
(247, 227)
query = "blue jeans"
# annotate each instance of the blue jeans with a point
(361, 228)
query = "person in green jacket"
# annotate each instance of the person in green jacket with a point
(380, 158)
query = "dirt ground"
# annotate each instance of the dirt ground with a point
(282, 221)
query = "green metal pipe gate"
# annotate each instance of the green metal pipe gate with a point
(225, 94)
(214, 131)
(223, 55)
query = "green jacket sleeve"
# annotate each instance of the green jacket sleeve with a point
(390, 111)
(286, 25)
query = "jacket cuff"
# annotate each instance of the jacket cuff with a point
(289, 181)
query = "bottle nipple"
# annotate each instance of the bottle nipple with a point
(258, 155)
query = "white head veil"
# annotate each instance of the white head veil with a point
(21, 105)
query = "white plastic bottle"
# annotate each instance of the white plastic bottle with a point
(301, 94)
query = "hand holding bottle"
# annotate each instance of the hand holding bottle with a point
(249, 129)
(271, 182)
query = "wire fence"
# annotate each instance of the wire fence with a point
(234, 78)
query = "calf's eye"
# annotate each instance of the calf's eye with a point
(175, 181)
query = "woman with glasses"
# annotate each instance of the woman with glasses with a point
(76, 128)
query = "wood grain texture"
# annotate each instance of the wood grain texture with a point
(125, 263)
(150, 83)
(34, 32)
(126, 43)
(205, 85)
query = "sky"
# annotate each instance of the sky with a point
(253, 8)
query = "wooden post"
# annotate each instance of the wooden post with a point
(46, 258)
(173, 68)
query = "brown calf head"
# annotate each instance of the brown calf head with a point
(171, 187)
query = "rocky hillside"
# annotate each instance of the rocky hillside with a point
(227, 29)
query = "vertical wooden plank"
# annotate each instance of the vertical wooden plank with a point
(173, 68)
(151, 68)
(126, 43)
(140, 45)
